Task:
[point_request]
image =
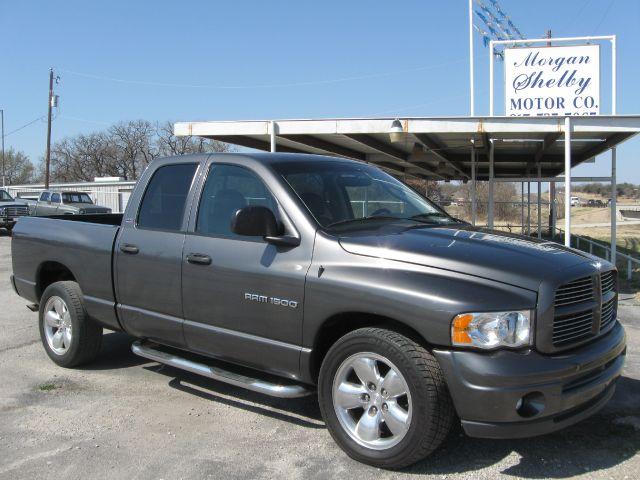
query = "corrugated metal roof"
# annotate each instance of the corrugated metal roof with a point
(437, 148)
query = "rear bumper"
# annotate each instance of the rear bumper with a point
(509, 394)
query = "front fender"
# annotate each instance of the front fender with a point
(424, 298)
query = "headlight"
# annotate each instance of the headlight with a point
(488, 330)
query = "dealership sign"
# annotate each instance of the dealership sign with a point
(552, 80)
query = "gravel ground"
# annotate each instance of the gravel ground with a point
(125, 417)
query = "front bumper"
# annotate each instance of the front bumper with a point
(8, 221)
(514, 394)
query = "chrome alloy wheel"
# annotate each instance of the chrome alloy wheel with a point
(372, 401)
(57, 325)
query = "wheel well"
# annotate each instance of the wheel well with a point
(51, 272)
(339, 325)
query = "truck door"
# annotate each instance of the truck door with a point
(42, 204)
(148, 255)
(242, 297)
(54, 205)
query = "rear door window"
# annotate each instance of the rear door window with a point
(163, 203)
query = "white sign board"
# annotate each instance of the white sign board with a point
(552, 81)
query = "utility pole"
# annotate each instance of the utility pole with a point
(2, 115)
(48, 155)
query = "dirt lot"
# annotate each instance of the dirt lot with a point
(124, 417)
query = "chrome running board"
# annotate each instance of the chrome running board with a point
(292, 390)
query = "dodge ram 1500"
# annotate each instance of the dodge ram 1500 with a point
(291, 274)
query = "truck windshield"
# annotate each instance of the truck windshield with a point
(5, 197)
(344, 194)
(71, 197)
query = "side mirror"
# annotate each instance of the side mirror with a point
(254, 221)
(258, 221)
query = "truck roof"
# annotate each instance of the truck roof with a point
(258, 158)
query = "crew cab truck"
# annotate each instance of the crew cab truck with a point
(286, 274)
(11, 210)
(64, 203)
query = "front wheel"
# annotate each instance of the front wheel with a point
(384, 398)
(68, 335)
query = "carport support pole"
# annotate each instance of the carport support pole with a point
(273, 136)
(474, 196)
(552, 207)
(491, 184)
(522, 208)
(539, 201)
(567, 181)
(528, 208)
(614, 201)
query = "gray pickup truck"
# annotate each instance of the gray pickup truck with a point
(64, 203)
(11, 210)
(289, 274)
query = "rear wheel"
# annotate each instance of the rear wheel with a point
(68, 335)
(383, 398)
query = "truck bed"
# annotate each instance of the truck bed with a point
(82, 243)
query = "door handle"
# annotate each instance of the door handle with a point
(128, 248)
(199, 259)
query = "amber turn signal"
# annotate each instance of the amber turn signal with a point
(459, 328)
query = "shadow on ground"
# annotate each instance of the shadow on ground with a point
(600, 442)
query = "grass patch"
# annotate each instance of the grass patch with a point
(47, 387)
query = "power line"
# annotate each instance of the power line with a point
(83, 120)
(576, 17)
(25, 125)
(262, 86)
(604, 16)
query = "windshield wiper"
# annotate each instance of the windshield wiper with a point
(425, 216)
(362, 219)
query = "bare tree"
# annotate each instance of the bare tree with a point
(123, 150)
(17, 167)
(169, 144)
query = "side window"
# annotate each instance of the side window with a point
(229, 188)
(163, 203)
(55, 198)
(44, 197)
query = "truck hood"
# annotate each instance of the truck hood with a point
(13, 204)
(508, 258)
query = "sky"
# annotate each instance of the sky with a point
(231, 60)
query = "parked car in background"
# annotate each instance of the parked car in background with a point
(64, 203)
(575, 201)
(10, 210)
(595, 203)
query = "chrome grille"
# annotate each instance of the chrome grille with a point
(578, 291)
(572, 328)
(16, 211)
(576, 309)
(608, 281)
(608, 314)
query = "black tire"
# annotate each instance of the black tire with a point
(432, 410)
(86, 335)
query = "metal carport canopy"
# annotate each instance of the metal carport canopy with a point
(434, 148)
